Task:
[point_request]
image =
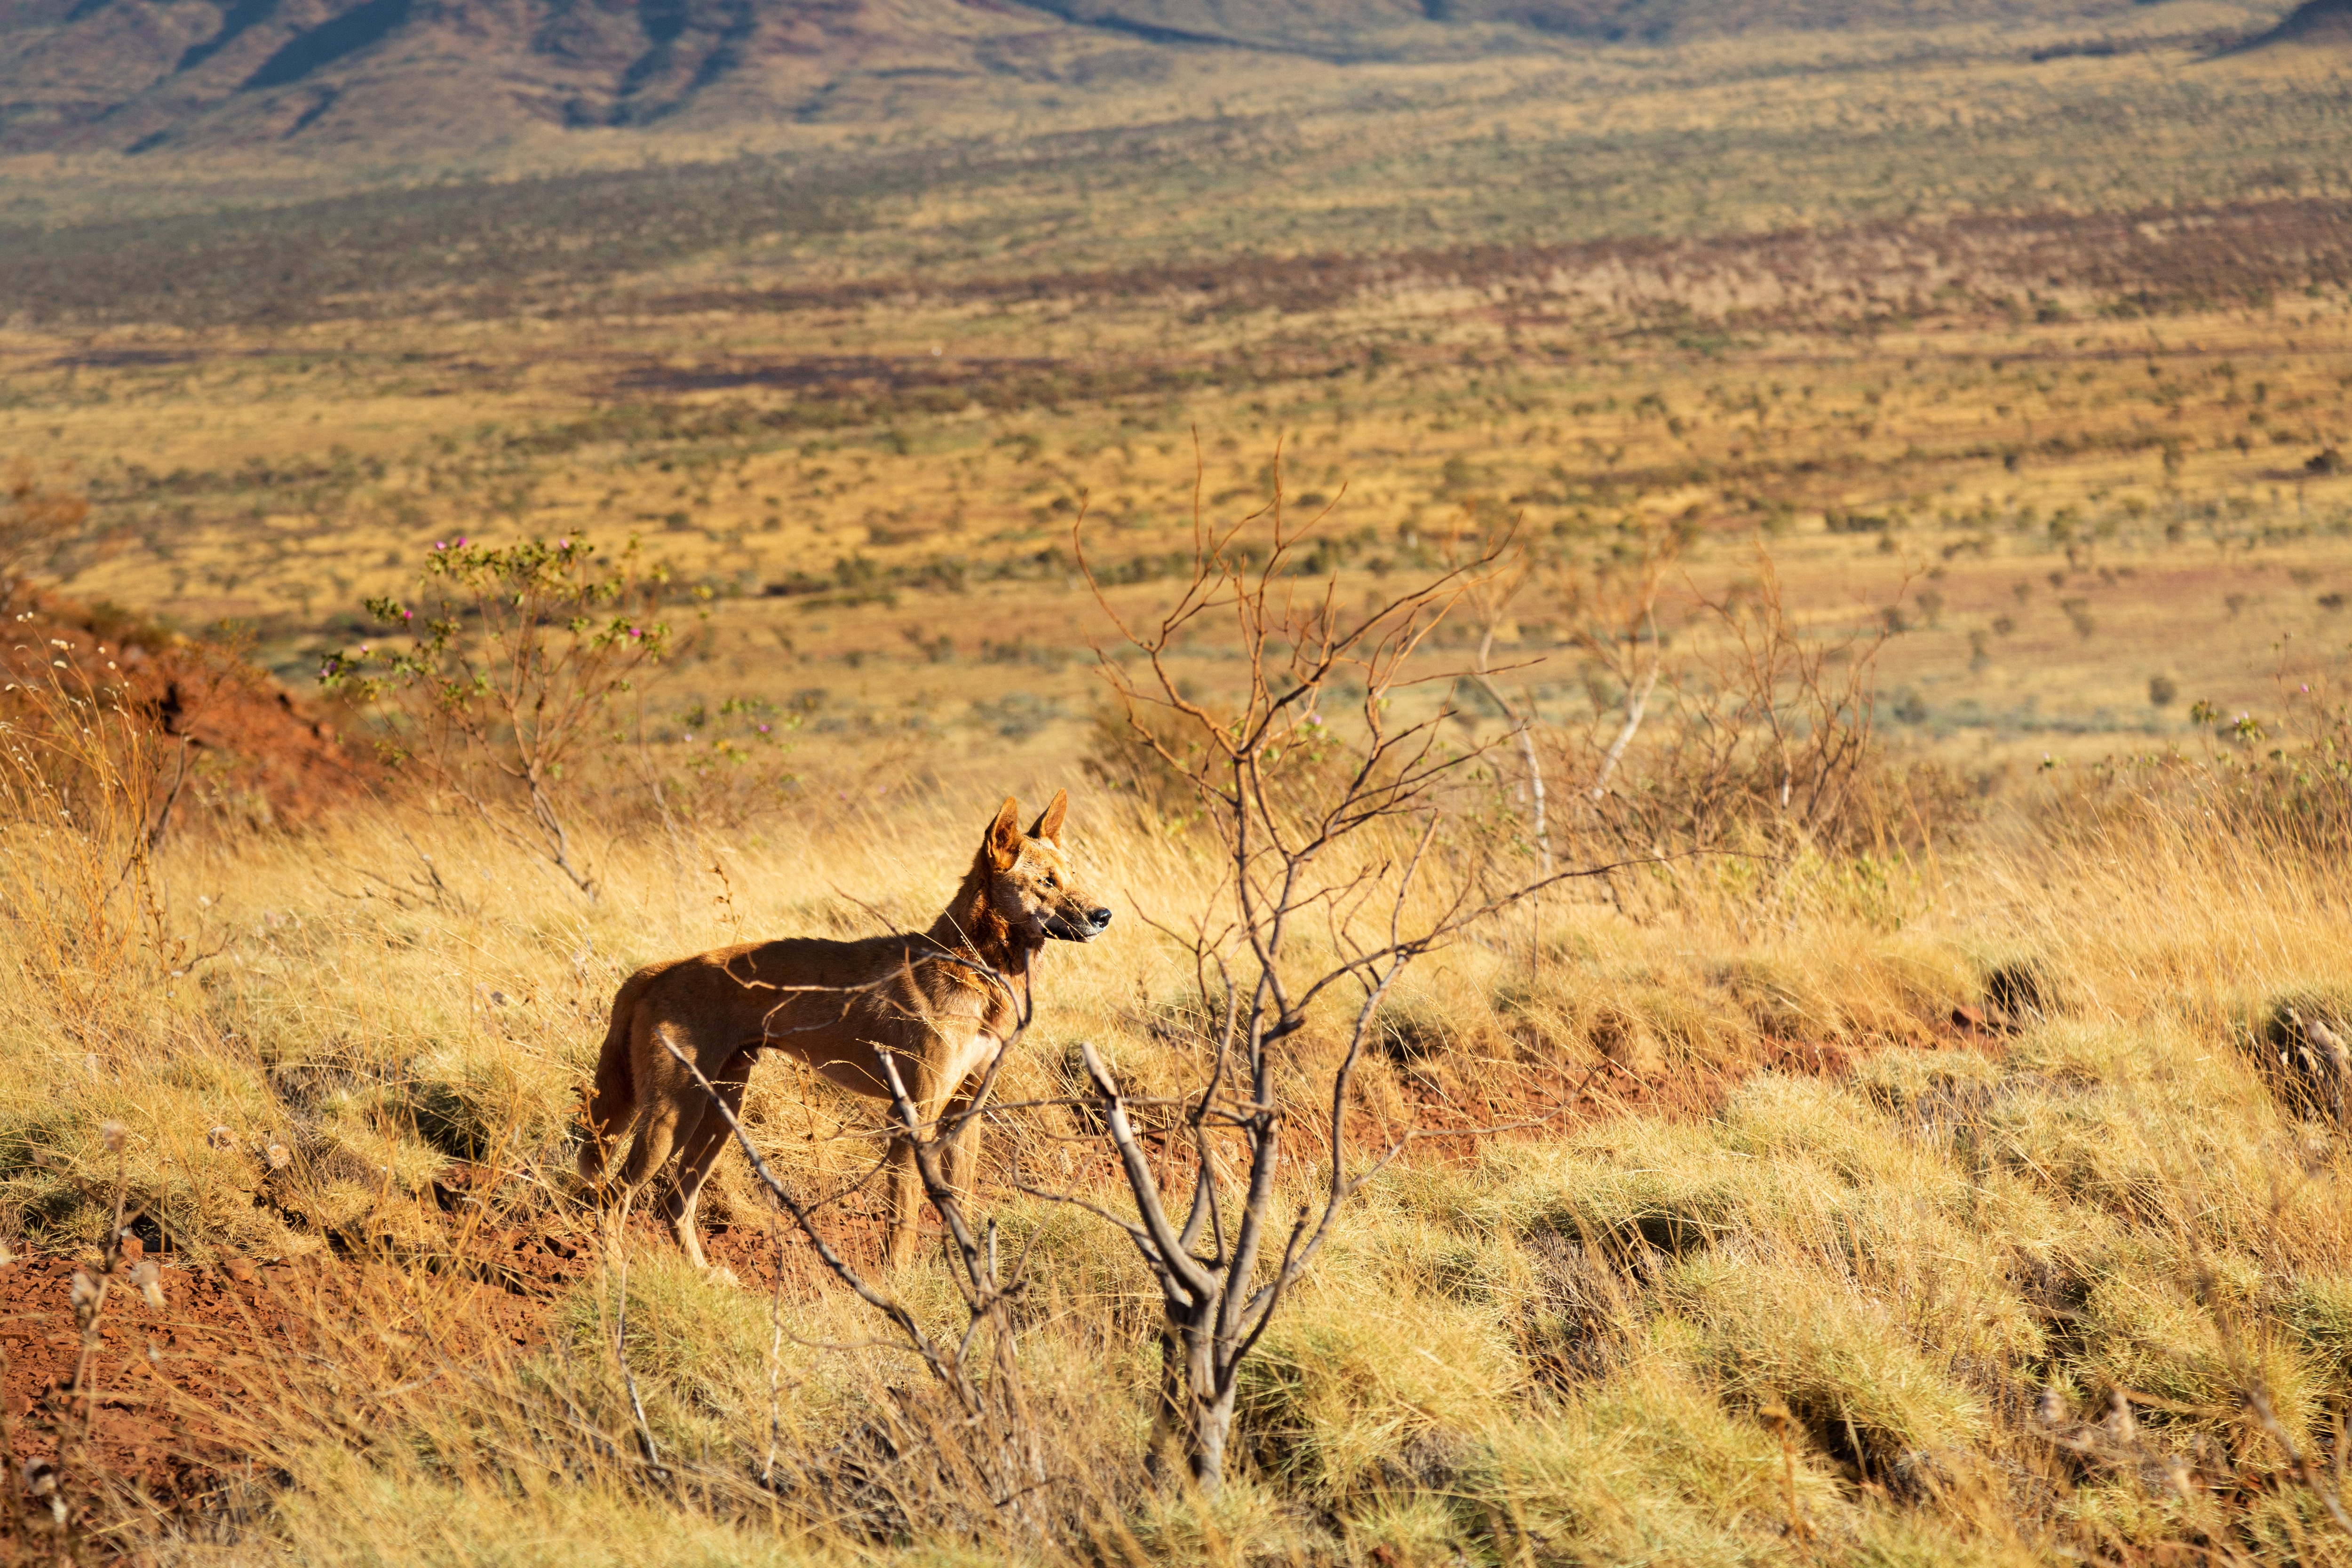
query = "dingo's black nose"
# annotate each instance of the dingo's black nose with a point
(1098, 918)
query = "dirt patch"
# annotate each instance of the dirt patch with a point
(175, 1388)
(231, 743)
(171, 1384)
(172, 1390)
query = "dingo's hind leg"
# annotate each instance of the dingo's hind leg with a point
(703, 1147)
(666, 1096)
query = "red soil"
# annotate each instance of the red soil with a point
(169, 1382)
(230, 739)
(179, 1392)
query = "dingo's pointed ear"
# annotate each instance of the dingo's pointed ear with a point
(1048, 825)
(1005, 833)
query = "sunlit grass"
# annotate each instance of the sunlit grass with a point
(1929, 1268)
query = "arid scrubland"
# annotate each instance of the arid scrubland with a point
(1895, 497)
(1866, 1184)
(1944, 1205)
(2097, 458)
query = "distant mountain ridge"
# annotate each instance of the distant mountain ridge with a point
(2312, 22)
(131, 75)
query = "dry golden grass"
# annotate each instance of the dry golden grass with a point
(1944, 1257)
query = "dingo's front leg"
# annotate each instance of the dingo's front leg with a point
(905, 1185)
(963, 1147)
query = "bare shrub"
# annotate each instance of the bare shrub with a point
(1129, 754)
(1612, 617)
(1341, 867)
(1769, 748)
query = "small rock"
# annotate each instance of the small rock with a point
(239, 1269)
(134, 1249)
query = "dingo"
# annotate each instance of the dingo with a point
(942, 1002)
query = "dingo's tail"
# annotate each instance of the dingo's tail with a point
(613, 1100)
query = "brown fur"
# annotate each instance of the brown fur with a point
(836, 1006)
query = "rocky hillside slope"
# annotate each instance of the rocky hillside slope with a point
(400, 75)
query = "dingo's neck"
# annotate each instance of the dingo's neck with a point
(970, 924)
